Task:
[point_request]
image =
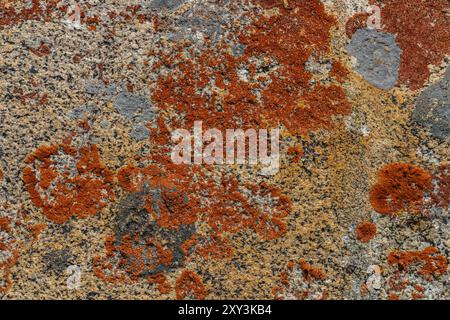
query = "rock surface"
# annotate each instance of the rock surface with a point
(358, 209)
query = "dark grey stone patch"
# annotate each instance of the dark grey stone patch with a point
(132, 219)
(166, 4)
(433, 108)
(95, 88)
(134, 107)
(140, 132)
(99, 89)
(81, 111)
(139, 110)
(206, 18)
(58, 260)
(378, 57)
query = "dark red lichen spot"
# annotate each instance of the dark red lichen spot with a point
(366, 231)
(36, 97)
(394, 297)
(441, 183)
(358, 21)
(296, 153)
(301, 281)
(42, 50)
(428, 261)
(61, 191)
(5, 267)
(400, 187)
(161, 282)
(339, 72)
(404, 187)
(311, 272)
(422, 30)
(190, 286)
(130, 258)
(9, 249)
(215, 247)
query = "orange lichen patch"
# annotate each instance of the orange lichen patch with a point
(161, 281)
(42, 50)
(5, 267)
(40, 10)
(8, 252)
(186, 195)
(37, 229)
(190, 286)
(394, 297)
(400, 187)
(404, 285)
(5, 224)
(208, 86)
(422, 30)
(36, 97)
(358, 21)
(366, 231)
(189, 244)
(67, 182)
(296, 153)
(301, 281)
(339, 72)
(133, 179)
(310, 272)
(430, 263)
(15, 234)
(417, 296)
(130, 258)
(441, 191)
(2, 175)
(173, 206)
(419, 288)
(177, 195)
(216, 248)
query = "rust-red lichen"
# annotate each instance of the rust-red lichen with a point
(40, 10)
(404, 187)
(9, 248)
(339, 71)
(366, 231)
(301, 281)
(357, 21)
(441, 182)
(296, 153)
(41, 51)
(161, 282)
(400, 187)
(5, 267)
(430, 263)
(228, 209)
(422, 30)
(62, 191)
(282, 43)
(135, 258)
(190, 286)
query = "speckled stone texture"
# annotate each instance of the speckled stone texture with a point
(93, 207)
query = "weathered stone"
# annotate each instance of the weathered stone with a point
(378, 57)
(433, 108)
